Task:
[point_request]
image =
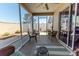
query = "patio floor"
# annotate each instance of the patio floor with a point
(53, 46)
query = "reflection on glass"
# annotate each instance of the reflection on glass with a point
(76, 41)
(64, 25)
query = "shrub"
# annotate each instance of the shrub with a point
(6, 34)
(17, 31)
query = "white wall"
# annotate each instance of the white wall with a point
(56, 21)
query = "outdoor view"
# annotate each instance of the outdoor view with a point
(37, 29)
(42, 24)
(13, 24)
(9, 20)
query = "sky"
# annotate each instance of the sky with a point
(9, 12)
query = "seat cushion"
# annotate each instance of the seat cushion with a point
(6, 51)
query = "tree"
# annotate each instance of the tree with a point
(27, 18)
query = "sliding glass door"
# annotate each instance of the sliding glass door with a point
(76, 22)
(69, 26)
(64, 25)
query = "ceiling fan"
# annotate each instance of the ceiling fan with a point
(45, 4)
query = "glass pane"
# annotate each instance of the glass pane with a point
(26, 18)
(9, 25)
(72, 22)
(76, 42)
(64, 23)
(42, 25)
(50, 23)
(35, 23)
(9, 20)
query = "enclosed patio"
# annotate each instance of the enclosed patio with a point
(51, 26)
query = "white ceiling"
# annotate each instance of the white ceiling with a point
(41, 8)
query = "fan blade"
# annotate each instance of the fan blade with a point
(39, 5)
(46, 5)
